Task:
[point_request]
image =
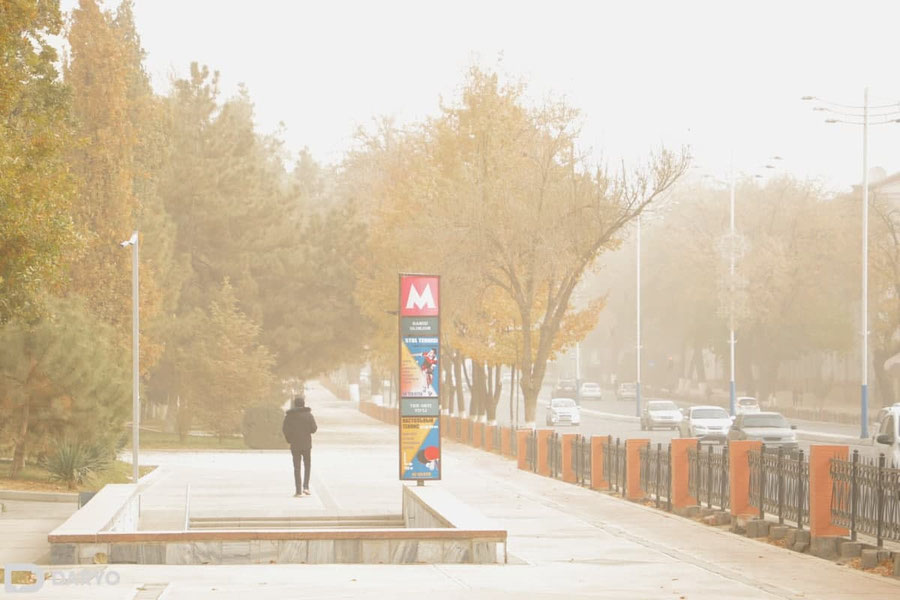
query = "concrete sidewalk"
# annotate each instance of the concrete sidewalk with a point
(564, 541)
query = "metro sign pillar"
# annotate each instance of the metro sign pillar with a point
(420, 376)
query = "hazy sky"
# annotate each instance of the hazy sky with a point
(720, 76)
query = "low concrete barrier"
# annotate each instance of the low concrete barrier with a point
(439, 529)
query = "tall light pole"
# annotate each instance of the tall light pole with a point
(637, 384)
(852, 114)
(731, 387)
(135, 358)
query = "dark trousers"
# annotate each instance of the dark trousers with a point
(301, 457)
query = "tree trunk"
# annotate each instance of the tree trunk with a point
(512, 388)
(477, 388)
(446, 384)
(458, 378)
(494, 397)
(183, 419)
(19, 451)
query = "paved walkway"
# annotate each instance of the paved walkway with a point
(24, 526)
(564, 541)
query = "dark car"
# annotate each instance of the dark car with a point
(566, 388)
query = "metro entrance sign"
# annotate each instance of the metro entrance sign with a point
(420, 376)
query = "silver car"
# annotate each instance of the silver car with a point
(660, 413)
(563, 411)
(771, 428)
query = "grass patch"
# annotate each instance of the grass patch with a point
(158, 440)
(35, 478)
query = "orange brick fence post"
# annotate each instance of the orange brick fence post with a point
(522, 436)
(633, 468)
(489, 437)
(543, 451)
(477, 433)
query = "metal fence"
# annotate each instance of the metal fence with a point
(531, 451)
(614, 455)
(554, 455)
(708, 477)
(656, 469)
(865, 497)
(581, 460)
(514, 441)
(779, 484)
(496, 440)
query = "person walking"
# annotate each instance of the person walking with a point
(298, 427)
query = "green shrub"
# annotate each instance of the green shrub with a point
(261, 427)
(73, 462)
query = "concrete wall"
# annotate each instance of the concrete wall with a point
(439, 529)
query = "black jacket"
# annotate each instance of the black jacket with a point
(298, 427)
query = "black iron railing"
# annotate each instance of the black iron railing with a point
(554, 455)
(614, 457)
(779, 484)
(514, 441)
(865, 497)
(708, 476)
(496, 439)
(531, 450)
(656, 478)
(581, 459)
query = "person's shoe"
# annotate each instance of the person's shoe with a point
(298, 495)
(306, 492)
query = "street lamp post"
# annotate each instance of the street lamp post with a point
(888, 114)
(731, 386)
(135, 359)
(637, 384)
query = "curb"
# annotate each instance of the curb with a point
(832, 438)
(26, 496)
(610, 416)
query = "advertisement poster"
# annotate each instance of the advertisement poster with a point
(420, 376)
(420, 372)
(420, 448)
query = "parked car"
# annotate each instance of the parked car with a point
(887, 438)
(660, 413)
(771, 428)
(591, 391)
(709, 423)
(746, 405)
(563, 411)
(626, 391)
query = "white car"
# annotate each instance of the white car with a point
(746, 405)
(563, 411)
(591, 391)
(887, 438)
(771, 428)
(660, 413)
(708, 423)
(626, 391)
